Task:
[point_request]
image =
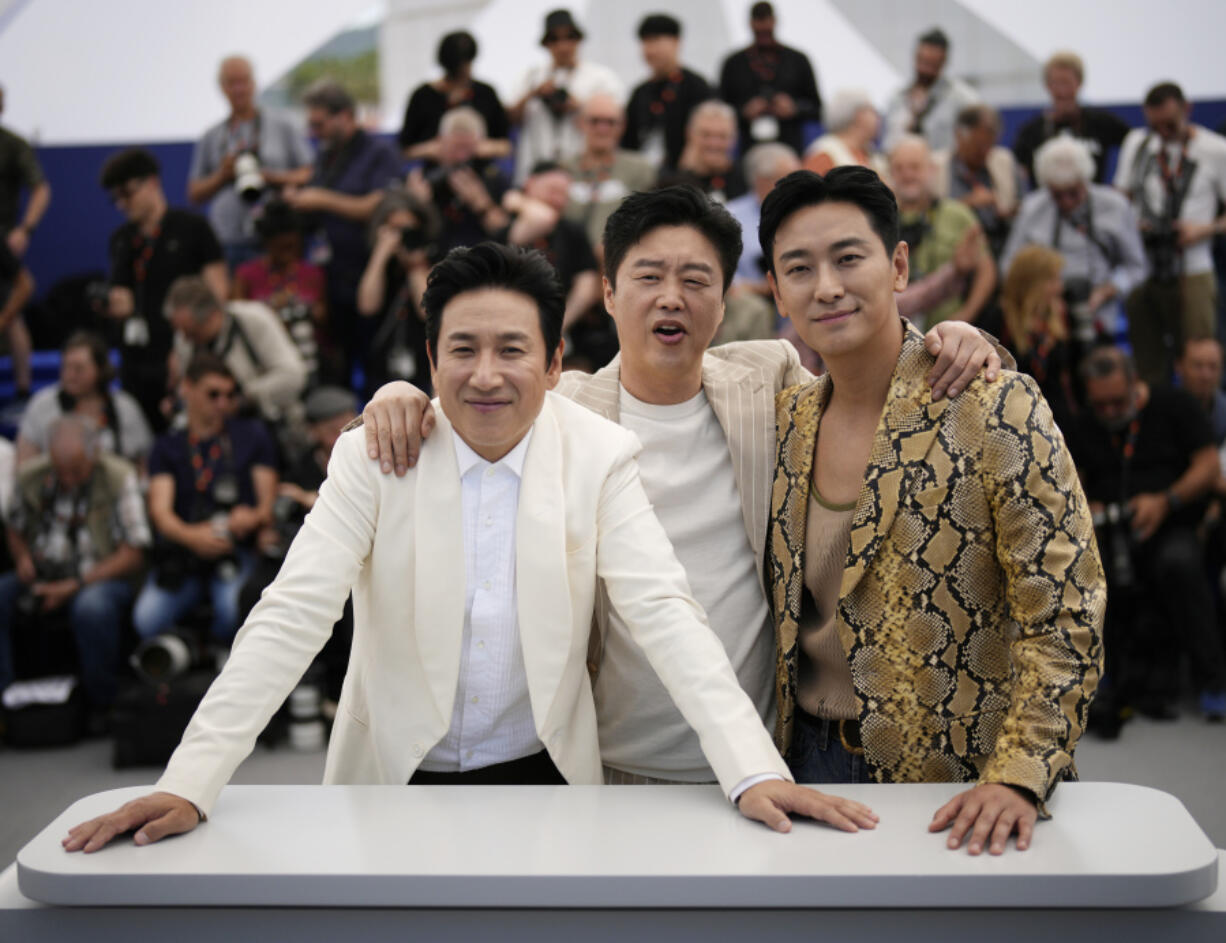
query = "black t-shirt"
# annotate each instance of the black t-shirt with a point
(753, 71)
(1099, 130)
(724, 187)
(664, 104)
(183, 245)
(1169, 431)
(427, 105)
(461, 226)
(398, 348)
(568, 251)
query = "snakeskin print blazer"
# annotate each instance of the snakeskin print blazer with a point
(972, 598)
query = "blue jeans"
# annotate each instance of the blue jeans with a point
(818, 756)
(95, 615)
(158, 609)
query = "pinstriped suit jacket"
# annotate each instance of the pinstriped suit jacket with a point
(740, 381)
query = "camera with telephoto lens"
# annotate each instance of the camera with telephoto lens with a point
(1113, 526)
(556, 101)
(248, 180)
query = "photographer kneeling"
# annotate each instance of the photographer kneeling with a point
(211, 490)
(1147, 462)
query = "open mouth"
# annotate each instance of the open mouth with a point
(670, 332)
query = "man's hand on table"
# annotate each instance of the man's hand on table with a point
(156, 816)
(770, 802)
(990, 812)
(397, 420)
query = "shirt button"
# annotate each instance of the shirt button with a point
(481, 644)
(485, 584)
(489, 521)
(489, 473)
(476, 699)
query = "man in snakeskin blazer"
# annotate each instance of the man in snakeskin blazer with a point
(937, 590)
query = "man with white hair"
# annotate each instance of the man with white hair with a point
(709, 158)
(852, 126)
(77, 532)
(934, 229)
(1092, 226)
(279, 147)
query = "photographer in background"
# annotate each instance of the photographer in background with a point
(465, 189)
(286, 282)
(1093, 228)
(248, 337)
(16, 290)
(76, 531)
(211, 491)
(403, 233)
(236, 160)
(1147, 461)
(154, 247)
(1174, 171)
(328, 410)
(549, 94)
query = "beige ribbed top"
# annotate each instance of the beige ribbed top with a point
(824, 687)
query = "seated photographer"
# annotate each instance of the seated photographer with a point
(329, 409)
(237, 159)
(709, 159)
(85, 389)
(1091, 226)
(248, 337)
(211, 490)
(1174, 172)
(465, 189)
(403, 232)
(418, 136)
(1199, 371)
(76, 531)
(1147, 462)
(286, 282)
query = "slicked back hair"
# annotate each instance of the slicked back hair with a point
(641, 213)
(856, 185)
(491, 265)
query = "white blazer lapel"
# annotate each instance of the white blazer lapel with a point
(438, 615)
(541, 581)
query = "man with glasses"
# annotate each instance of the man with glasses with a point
(1090, 225)
(211, 491)
(550, 93)
(154, 247)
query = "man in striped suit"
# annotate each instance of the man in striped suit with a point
(706, 419)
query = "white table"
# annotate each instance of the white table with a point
(607, 862)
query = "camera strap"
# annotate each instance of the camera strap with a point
(1127, 449)
(1110, 255)
(239, 143)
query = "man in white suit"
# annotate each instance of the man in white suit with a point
(706, 421)
(474, 580)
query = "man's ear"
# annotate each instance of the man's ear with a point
(902, 265)
(553, 372)
(770, 280)
(608, 294)
(431, 358)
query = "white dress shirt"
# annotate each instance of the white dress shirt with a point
(491, 720)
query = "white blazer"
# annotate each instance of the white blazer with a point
(398, 544)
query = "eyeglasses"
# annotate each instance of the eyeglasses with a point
(215, 395)
(561, 38)
(597, 120)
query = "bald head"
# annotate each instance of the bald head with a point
(237, 81)
(602, 121)
(911, 170)
(72, 443)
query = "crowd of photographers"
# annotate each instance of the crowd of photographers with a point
(161, 496)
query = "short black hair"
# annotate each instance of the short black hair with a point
(492, 265)
(545, 167)
(278, 218)
(135, 163)
(455, 50)
(1162, 93)
(857, 185)
(934, 37)
(206, 363)
(761, 11)
(659, 24)
(684, 205)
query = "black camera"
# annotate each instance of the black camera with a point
(1113, 525)
(413, 238)
(1077, 290)
(1161, 240)
(556, 101)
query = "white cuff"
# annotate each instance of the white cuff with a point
(750, 781)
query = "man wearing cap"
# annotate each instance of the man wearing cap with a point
(660, 107)
(549, 93)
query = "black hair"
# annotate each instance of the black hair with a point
(545, 167)
(456, 50)
(206, 363)
(492, 265)
(934, 37)
(135, 163)
(684, 205)
(277, 219)
(856, 185)
(1162, 93)
(99, 353)
(659, 24)
(761, 10)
